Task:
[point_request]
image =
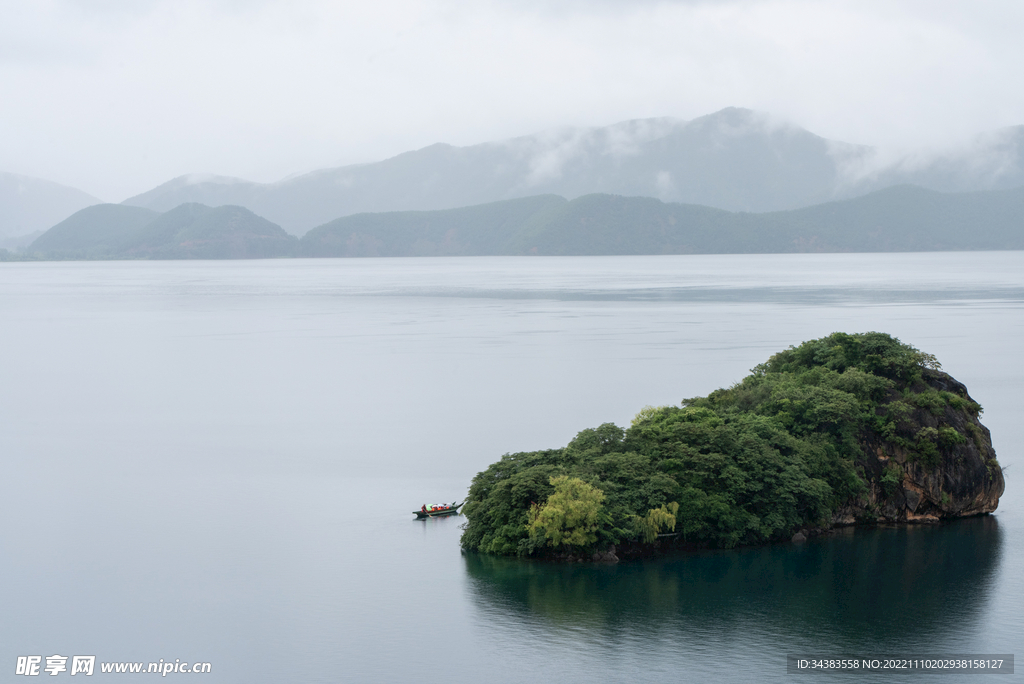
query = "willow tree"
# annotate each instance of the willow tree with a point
(569, 518)
(657, 519)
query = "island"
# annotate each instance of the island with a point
(844, 430)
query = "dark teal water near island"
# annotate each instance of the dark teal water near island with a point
(216, 461)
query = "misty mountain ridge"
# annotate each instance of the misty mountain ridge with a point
(990, 161)
(29, 205)
(735, 159)
(93, 232)
(896, 219)
(196, 231)
(189, 231)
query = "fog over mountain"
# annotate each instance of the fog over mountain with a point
(992, 161)
(29, 205)
(735, 159)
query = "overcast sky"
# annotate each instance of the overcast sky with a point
(115, 97)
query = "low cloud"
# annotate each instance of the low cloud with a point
(116, 97)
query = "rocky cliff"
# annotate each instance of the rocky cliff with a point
(935, 461)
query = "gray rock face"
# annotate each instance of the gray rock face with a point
(942, 455)
(913, 499)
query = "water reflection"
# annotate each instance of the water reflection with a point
(874, 585)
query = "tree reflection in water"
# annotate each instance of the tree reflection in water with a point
(859, 588)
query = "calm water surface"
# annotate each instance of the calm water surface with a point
(215, 461)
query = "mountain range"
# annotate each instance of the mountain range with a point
(734, 159)
(897, 219)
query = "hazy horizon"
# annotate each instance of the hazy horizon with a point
(118, 98)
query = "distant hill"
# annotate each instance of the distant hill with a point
(901, 219)
(196, 231)
(898, 219)
(735, 159)
(190, 231)
(904, 218)
(93, 232)
(28, 205)
(466, 231)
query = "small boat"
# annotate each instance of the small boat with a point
(438, 510)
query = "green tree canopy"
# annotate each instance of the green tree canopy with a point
(569, 517)
(784, 448)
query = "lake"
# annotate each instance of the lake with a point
(217, 462)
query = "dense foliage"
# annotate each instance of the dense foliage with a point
(570, 515)
(776, 452)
